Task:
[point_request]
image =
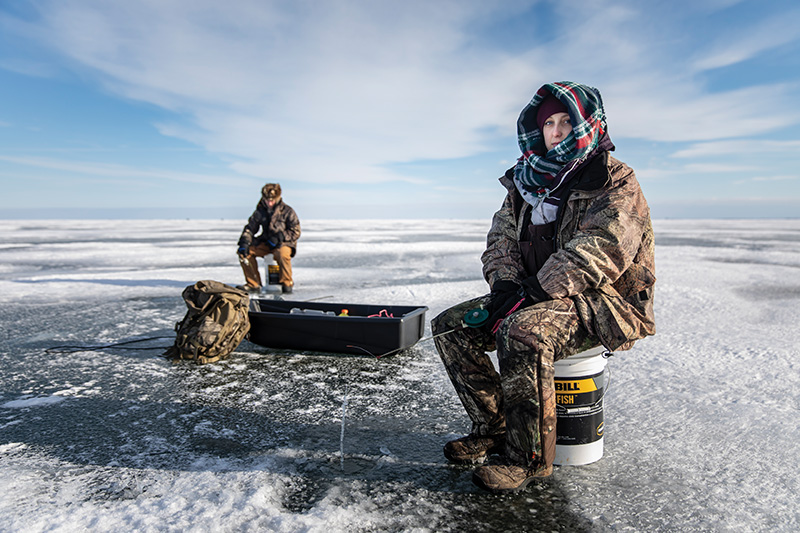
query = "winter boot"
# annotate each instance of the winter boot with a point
(473, 448)
(249, 288)
(508, 477)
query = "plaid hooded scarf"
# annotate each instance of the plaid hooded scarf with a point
(540, 173)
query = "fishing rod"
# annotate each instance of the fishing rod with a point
(474, 318)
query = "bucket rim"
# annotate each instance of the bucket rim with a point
(590, 355)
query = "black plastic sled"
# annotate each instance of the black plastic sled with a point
(335, 327)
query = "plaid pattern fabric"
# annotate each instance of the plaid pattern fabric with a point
(538, 170)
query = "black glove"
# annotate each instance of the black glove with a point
(243, 250)
(534, 291)
(275, 241)
(506, 298)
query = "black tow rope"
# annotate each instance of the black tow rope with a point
(123, 345)
(120, 345)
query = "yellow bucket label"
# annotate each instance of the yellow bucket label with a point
(575, 386)
(579, 408)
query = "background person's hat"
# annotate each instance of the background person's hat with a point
(271, 191)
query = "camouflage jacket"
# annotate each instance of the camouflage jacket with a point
(604, 255)
(282, 223)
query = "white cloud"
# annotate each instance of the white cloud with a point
(735, 147)
(694, 169)
(740, 44)
(28, 68)
(717, 168)
(116, 171)
(316, 90)
(788, 177)
(341, 91)
(664, 109)
(777, 178)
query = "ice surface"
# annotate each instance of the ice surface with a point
(701, 420)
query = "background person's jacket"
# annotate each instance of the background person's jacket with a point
(281, 225)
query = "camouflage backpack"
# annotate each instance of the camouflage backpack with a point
(214, 325)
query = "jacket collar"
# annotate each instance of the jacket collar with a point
(594, 175)
(591, 176)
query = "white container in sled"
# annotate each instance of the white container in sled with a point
(580, 382)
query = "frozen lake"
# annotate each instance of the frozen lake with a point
(701, 420)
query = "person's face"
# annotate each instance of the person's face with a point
(271, 203)
(555, 129)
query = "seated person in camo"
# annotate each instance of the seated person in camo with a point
(570, 263)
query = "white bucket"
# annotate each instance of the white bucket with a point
(581, 383)
(272, 272)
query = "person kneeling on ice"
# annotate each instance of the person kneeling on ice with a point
(280, 230)
(570, 262)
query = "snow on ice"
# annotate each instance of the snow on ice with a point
(701, 420)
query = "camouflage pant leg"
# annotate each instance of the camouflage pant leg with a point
(465, 358)
(528, 343)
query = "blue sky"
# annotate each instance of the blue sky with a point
(384, 109)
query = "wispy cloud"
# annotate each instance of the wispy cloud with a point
(792, 177)
(124, 172)
(756, 146)
(779, 178)
(717, 168)
(682, 112)
(694, 170)
(345, 92)
(346, 88)
(738, 44)
(28, 68)
(338, 90)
